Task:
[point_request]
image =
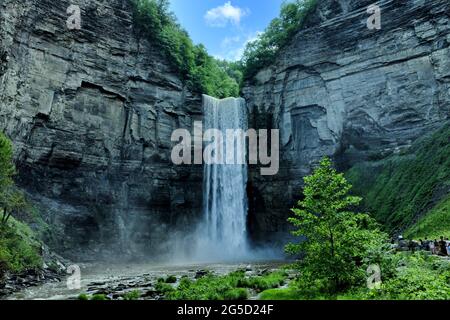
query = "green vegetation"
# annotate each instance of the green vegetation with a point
(233, 286)
(206, 288)
(11, 199)
(418, 277)
(339, 245)
(236, 294)
(201, 72)
(335, 240)
(171, 279)
(7, 169)
(19, 248)
(95, 297)
(83, 296)
(163, 288)
(434, 224)
(280, 294)
(403, 187)
(263, 51)
(132, 295)
(261, 283)
(99, 297)
(415, 277)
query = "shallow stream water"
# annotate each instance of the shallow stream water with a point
(115, 280)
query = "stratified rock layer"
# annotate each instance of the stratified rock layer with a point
(342, 90)
(91, 113)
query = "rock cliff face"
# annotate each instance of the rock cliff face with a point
(342, 90)
(91, 113)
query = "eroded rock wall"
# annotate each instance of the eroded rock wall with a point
(342, 90)
(91, 113)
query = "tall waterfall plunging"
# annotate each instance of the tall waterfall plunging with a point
(224, 186)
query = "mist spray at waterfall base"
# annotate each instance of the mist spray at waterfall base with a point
(222, 234)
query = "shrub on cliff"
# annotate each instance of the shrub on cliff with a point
(262, 52)
(12, 200)
(201, 72)
(7, 170)
(6, 164)
(335, 240)
(18, 248)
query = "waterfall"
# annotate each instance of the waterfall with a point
(224, 186)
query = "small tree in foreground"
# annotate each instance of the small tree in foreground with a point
(335, 240)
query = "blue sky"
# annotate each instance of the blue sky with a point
(224, 26)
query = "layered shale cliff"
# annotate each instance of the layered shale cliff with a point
(342, 90)
(91, 112)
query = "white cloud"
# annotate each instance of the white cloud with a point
(227, 13)
(229, 41)
(235, 46)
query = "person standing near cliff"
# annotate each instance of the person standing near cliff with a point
(442, 247)
(431, 246)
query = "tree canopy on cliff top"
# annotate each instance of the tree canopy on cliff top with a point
(263, 51)
(200, 71)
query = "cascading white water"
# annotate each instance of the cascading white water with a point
(225, 196)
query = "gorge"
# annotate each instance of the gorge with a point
(91, 113)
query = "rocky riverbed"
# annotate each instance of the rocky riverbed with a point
(115, 281)
(53, 270)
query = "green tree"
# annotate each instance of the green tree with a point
(335, 240)
(7, 169)
(262, 52)
(199, 71)
(12, 200)
(18, 248)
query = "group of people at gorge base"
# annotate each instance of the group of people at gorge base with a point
(437, 247)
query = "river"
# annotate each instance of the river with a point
(114, 280)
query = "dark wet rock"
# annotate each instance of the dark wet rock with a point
(201, 273)
(30, 278)
(264, 272)
(151, 294)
